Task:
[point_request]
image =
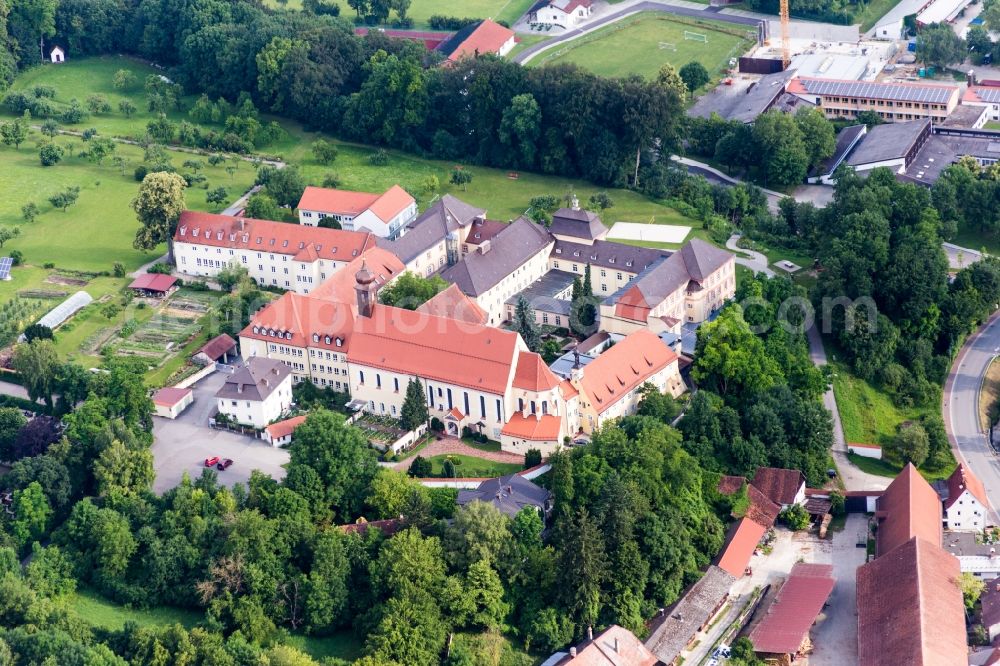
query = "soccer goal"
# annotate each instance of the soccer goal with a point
(696, 36)
(668, 46)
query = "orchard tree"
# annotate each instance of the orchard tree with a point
(126, 107)
(15, 132)
(461, 177)
(324, 151)
(157, 206)
(8, 233)
(216, 197)
(63, 200)
(50, 154)
(29, 211)
(123, 79)
(37, 362)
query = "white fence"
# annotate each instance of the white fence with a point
(196, 377)
(408, 439)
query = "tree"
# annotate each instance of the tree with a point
(669, 79)
(420, 468)
(126, 107)
(783, 151)
(100, 149)
(8, 233)
(324, 151)
(971, 587)
(260, 206)
(31, 514)
(123, 79)
(66, 198)
(29, 211)
(818, 134)
(524, 324)
(461, 177)
(285, 185)
(409, 291)
(217, 197)
(37, 362)
(979, 43)
(11, 422)
(601, 201)
(520, 129)
(795, 516)
(694, 75)
(910, 445)
(581, 567)
(731, 360)
(124, 469)
(939, 46)
(98, 104)
(14, 132)
(414, 412)
(50, 154)
(35, 437)
(157, 206)
(532, 458)
(430, 185)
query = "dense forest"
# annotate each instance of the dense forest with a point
(311, 67)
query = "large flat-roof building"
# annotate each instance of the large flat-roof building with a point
(893, 102)
(743, 104)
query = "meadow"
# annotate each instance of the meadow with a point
(644, 43)
(421, 10)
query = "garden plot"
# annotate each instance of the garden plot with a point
(656, 233)
(381, 431)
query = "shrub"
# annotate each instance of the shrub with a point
(420, 468)
(17, 256)
(379, 158)
(49, 264)
(119, 269)
(439, 22)
(795, 516)
(140, 172)
(50, 154)
(532, 458)
(436, 424)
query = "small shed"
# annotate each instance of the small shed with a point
(170, 402)
(280, 433)
(57, 54)
(220, 349)
(154, 285)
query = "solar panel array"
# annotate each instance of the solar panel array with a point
(991, 95)
(5, 265)
(899, 92)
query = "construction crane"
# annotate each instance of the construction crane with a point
(786, 57)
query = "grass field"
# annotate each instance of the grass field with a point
(469, 466)
(989, 395)
(99, 612)
(867, 414)
(633, 46)
(421, 10)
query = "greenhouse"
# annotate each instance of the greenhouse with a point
(64, 310)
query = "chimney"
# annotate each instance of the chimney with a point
(616, 644)
(572, 652)
(242, 223)
(970, 77)
(484, 247)
(590, 633)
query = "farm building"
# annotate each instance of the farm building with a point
(154, 285)
(486, 37)
(220, 349)
(170, 402)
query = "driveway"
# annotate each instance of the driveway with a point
(960, 405)
(183, 444)
(757, 262)
(835, 634)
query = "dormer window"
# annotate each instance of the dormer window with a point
(334, 250)
(195, 233)
(232, 237)
(183, 230)
(284, 243)
(628, 263)
(327, 339)
(301, 245)
(273, 241)
(246, 238)
(593, 257)
(320, 247)
(611, 260)
(256, 330)
(354, 253)
(288, 335)
(340, 342)
(259, 240)
(315, 337)
(558, 250)
(218, 236)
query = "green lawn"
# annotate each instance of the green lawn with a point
(867, 414)
(97, 611)
(421, 10)
(975, 240)
(471, 467)
(524, 41)
(636, 46)
(887, 469)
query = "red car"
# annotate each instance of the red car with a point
(211, 461)
(224, 464)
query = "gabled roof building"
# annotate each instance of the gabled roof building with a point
(385, 215)
(478, 39)
(509, 494)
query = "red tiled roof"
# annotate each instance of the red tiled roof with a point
(786, 622)
(628, 364)
(963, 479)
(615, 646)
(739, 548)
(437, 348)
(489, 37)
(454, 304)
(340, 202)
(781, 485)
(908, 508)
(217, 346)
(392, 203)
(285, 428)
(302, 242)
(532, 374)
(761, 510)
(730, 484)
(567, 389)
(153, 282)
(456, 414)
(910, 610)
(304, 317)
(170, 396)
(544, 428)
(339, 287)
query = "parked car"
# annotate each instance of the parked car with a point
(224, 464)
(211, 461)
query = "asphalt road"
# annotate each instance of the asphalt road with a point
(961, 408)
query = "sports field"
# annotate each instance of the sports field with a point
(642, 44)
(421, 10)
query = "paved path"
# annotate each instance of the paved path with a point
(452, 446)
(960, 406)
(752, 259)
(853, 478)
(13, 390)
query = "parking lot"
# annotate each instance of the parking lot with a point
(183, 444)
